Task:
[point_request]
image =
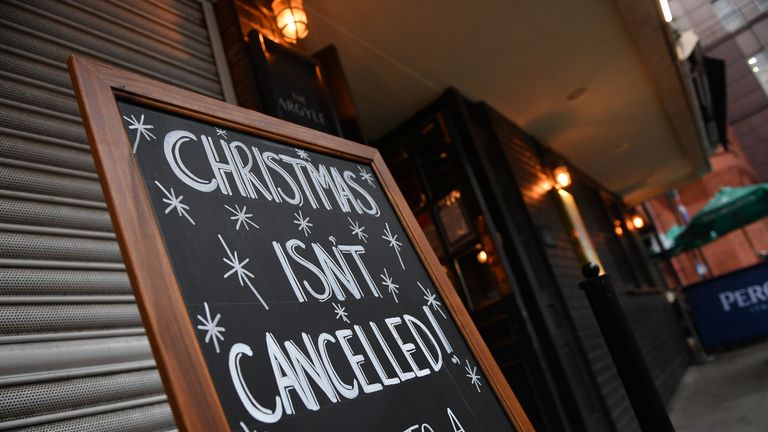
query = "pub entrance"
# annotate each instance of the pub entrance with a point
(440, 189)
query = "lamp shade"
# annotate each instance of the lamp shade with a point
(291, 19)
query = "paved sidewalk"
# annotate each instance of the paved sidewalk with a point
(727, 394)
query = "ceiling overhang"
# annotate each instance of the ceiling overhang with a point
(634, 128)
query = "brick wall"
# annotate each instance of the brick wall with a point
(652, 319)
(732, 251)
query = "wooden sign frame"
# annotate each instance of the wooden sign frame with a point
(184, 373)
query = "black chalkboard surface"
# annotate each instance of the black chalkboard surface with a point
(281, 283)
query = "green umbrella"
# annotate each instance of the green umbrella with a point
(673, 232)
(730, 209)
(667, 241)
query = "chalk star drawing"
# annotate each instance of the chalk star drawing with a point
(392, 287)
(303, 223)
(357, 230)
(431, 299)
(473, 376)
(340, 312)
(302, 154)
(393, 243)
(455, 359)
(241, 217)
(174, 202)
(238, 267)
(211, 327)
(221, 132)
(142, 130)
(365, 175)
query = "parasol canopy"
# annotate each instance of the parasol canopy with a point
(730, 209)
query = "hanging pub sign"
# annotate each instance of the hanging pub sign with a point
(292, 85)
(283, 281)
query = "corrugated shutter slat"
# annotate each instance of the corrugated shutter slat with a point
(73, 349)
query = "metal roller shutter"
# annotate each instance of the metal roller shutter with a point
(73, 354)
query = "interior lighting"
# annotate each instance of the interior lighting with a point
(291, 19)
(637, 221)
(755, 69)
(617, 228)
(482, 257)
(752, 60)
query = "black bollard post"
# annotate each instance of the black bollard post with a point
(638, 382)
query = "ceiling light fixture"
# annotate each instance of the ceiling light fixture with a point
(752, 60)
(291, 19)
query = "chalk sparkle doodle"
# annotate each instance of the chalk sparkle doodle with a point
(358, 230)
(238, 268)
(393, 243)
(142, 130)
(392, 287)
(174, 203)
(211, 327)
(474, 378)
(241, 217)
(303, 223)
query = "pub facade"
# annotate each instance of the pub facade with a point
(509, 234)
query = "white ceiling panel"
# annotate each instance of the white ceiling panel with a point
(523, 58)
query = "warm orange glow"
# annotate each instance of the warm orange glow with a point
(562, 176)
(482, 257)
(580, 233)
(451, 198)
(638, 221)
(617, 228)
(291, 19)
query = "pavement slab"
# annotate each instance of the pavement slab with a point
(729, 393)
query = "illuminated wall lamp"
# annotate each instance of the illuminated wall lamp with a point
(635, 222)
(562, 177)
(482, 257)
(291, 19)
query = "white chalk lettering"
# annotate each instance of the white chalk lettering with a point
(355, 360)
(744, 297)
(300, 372)
(406, 347)
(254, 174)
(246, 398)
(457, 427)
(172, 146)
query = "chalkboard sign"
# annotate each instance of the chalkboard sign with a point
(284, 284)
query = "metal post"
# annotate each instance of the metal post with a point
(682, 302)
(649, 409)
